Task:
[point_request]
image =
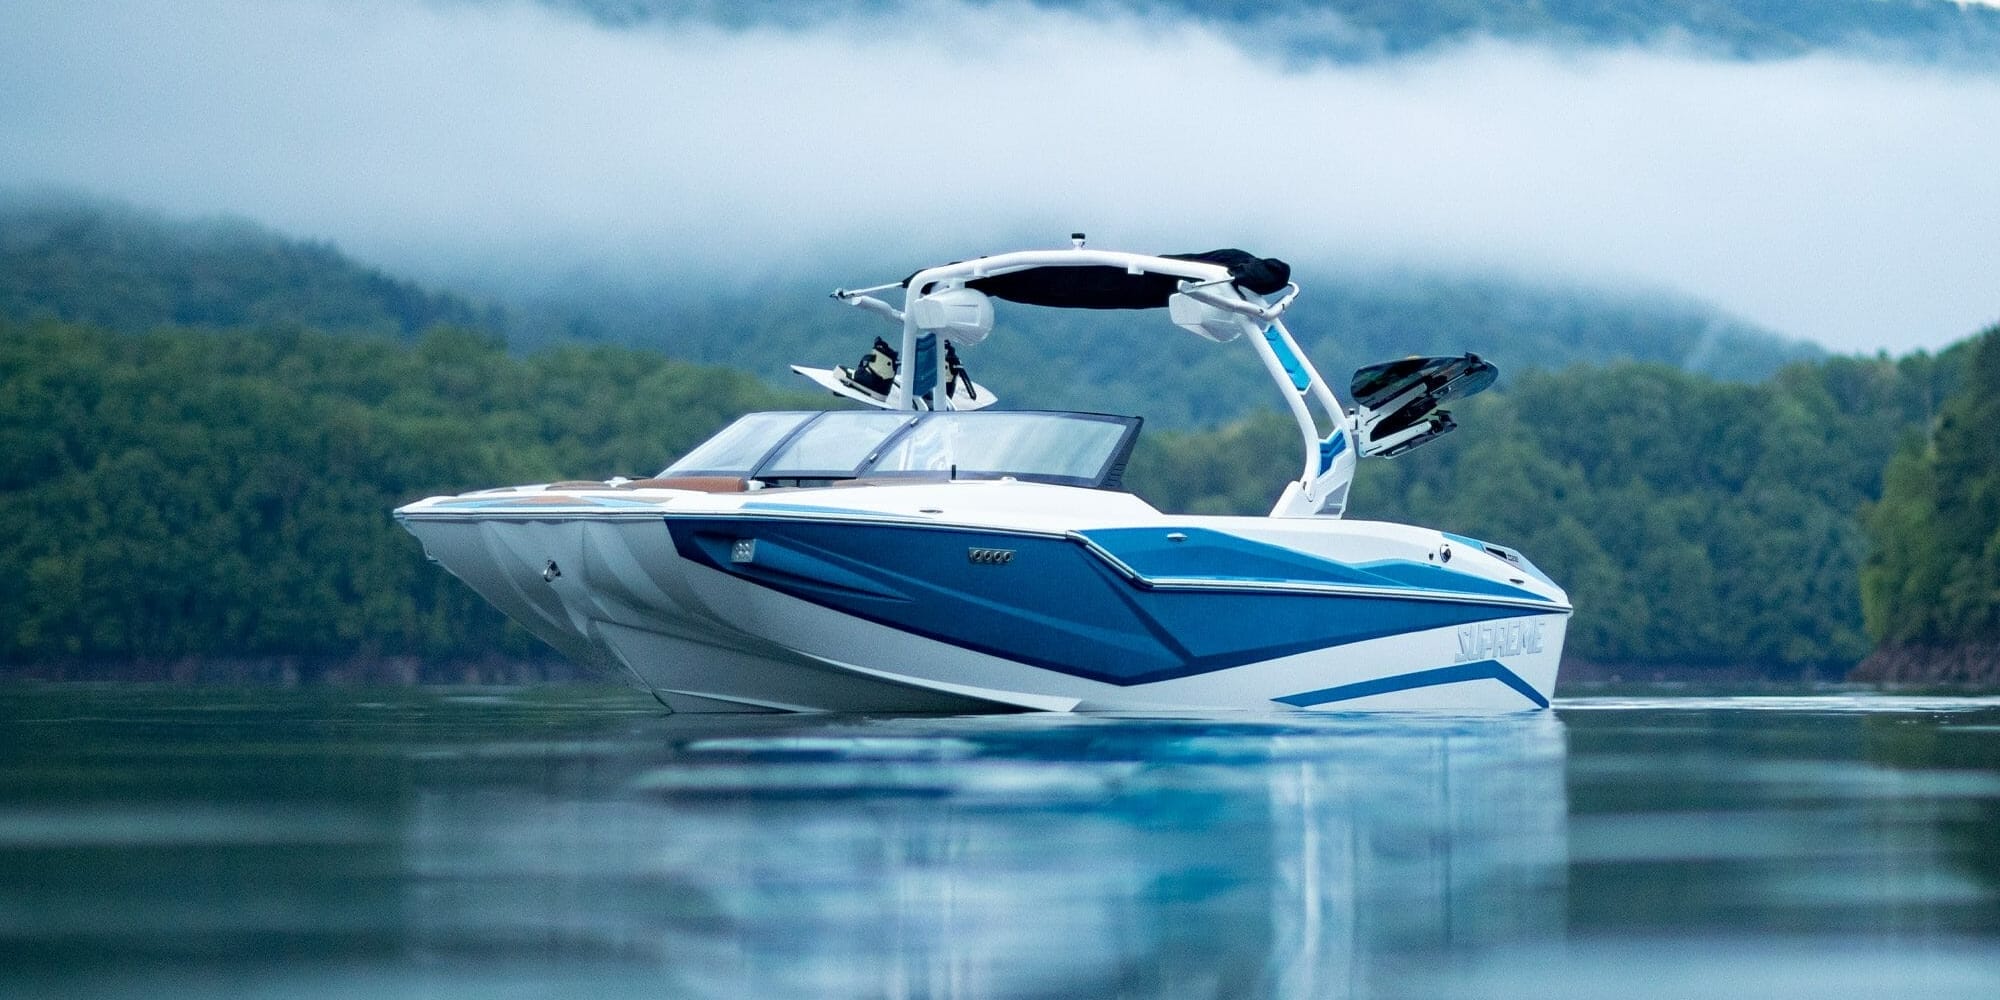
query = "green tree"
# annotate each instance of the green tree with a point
(1933, 574)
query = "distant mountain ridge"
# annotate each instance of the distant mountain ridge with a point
(111, 266)
(106, 264)
(1352, 31)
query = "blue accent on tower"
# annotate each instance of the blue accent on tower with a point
(1330, 449)
(1056, 604)
(1286, 359)
(1477, 671)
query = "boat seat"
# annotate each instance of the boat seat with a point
(698, 484)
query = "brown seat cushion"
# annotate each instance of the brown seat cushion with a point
(699, 484)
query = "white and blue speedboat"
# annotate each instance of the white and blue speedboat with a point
(933, 554)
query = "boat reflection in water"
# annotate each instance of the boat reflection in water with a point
(1000, 856)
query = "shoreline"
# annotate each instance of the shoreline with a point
(1971, 664)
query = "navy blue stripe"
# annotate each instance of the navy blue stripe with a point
(1479, 671)
(1053, 604)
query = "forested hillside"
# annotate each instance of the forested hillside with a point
(1931, 588)
(228, 493)
(87, 261)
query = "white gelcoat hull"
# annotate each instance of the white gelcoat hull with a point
(624, 600)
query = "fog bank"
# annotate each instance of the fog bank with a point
(1847, 202)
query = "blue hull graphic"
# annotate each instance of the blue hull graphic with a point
(1046, 601)
(1460, 674)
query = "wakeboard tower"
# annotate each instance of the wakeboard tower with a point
(1398, 405)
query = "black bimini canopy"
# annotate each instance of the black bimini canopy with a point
(1103, 287)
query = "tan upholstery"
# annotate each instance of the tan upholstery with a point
(699, 484)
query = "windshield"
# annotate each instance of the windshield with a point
(835, 445)
(795, 449)
(1040, 445)
(740, 447)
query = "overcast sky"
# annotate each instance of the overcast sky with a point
(1851, 203)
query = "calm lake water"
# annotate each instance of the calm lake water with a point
(576, 842)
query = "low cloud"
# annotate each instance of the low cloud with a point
(1852, 203)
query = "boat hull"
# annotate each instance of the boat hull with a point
(793, 611)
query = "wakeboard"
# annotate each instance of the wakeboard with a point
(1400, 399)
(1444, 378)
